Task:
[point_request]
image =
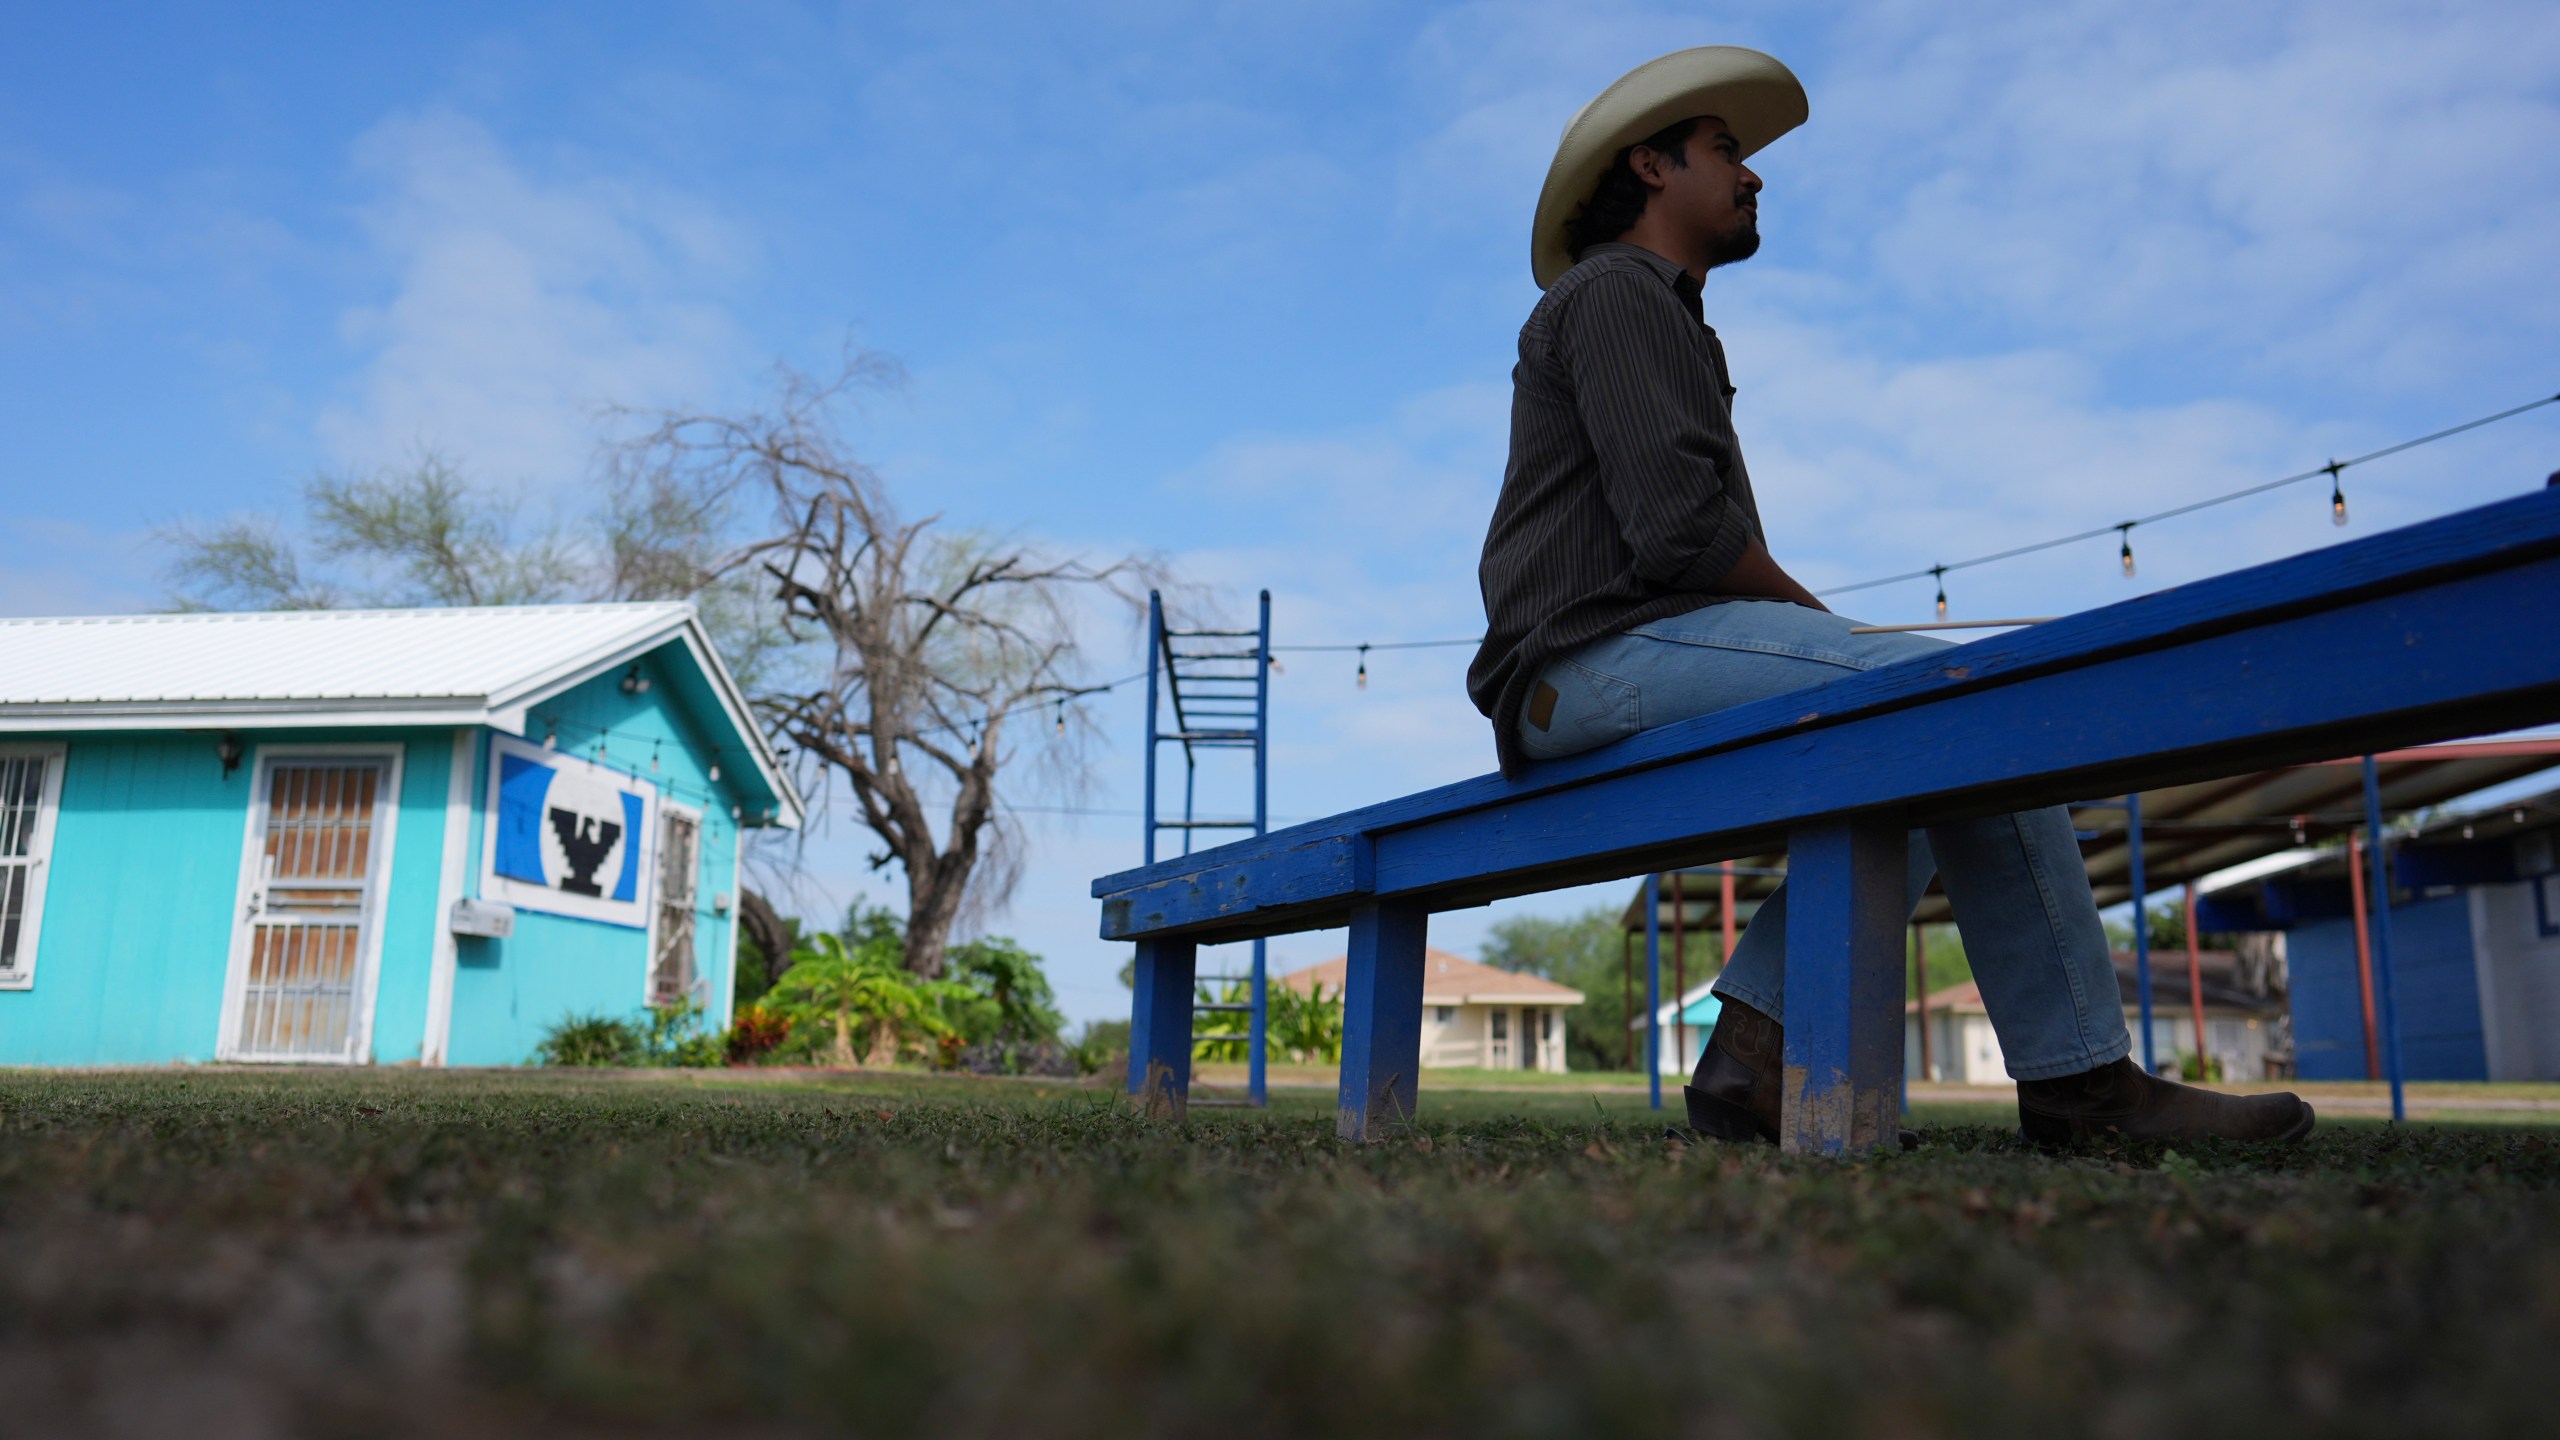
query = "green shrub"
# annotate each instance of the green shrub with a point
(1104, 1045)
(592, 1040)
(673, 1035)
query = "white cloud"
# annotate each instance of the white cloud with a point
(2356, 193)
(522, 302)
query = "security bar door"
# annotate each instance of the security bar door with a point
(309, 911)
(671, 977)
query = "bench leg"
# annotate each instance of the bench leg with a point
(1160, 1027)
(1845, 908)
(1381, 1020)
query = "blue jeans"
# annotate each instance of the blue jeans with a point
(2021, 898)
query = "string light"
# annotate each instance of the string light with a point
(653, 757)
(2337, 494)
(1940, 572)
(1362, 677)
(2126, 553)
(715, 772)
(2337, 499)
(1062, 715)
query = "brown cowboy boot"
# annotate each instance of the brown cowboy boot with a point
(1741, 1079)
(2119, 1100)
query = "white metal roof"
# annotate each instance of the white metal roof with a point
(272, 669)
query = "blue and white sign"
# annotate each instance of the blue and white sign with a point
(568, 836)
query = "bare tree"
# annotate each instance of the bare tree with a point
(415, 534)
(423, 534)
(925, 660)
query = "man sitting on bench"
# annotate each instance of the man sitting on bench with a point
(1627, 584)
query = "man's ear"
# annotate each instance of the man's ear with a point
(1650, 166)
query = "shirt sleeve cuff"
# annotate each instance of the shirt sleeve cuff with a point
(1724, 549)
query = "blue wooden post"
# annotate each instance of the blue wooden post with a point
(1155, 646)
(1381, 1019)
(1845, 908)
(1653, 985)
(1160, 1027)
(2376, 845)
(1257, 1072)
(2141, 926)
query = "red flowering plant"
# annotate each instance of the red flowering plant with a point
(755, 1032)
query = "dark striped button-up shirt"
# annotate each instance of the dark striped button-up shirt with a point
(1626, 499)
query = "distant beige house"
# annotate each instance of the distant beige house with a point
(1474, 1014)
(2238, 1026)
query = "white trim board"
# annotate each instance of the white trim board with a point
(452, 875)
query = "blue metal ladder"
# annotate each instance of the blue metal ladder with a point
(1219, 696)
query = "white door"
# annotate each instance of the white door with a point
(309, 910)
(671, 967)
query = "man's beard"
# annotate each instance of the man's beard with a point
(1739, 243)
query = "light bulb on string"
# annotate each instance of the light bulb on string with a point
(1362, 677)
(551, 736)
(2337, 494)
(715, 772)
(1940, 571)
(2125, 553)
(1062, 717)
(653, 757)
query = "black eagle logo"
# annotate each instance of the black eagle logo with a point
(585, 841)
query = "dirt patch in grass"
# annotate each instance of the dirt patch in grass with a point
(224, 1254)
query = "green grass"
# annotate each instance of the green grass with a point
(404, 1253)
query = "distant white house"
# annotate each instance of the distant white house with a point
(1686, 1022)
(1474, 1015)
(2238, 1026)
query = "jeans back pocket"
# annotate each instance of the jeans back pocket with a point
(1591, 710)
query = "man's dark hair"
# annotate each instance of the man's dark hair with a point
(1619, 199)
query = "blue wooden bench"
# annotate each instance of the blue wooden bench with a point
(2439, 630)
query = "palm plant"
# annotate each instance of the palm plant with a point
(865, 988)
(1306, 1026)
(1297, 1026)
(1224, 1034)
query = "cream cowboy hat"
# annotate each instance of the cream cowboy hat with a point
(1757, 98)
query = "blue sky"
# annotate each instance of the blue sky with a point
(1239, 284)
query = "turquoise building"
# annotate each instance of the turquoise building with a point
(366, 837)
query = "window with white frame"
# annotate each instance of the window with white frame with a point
(30, 789)
(1444, 1014)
